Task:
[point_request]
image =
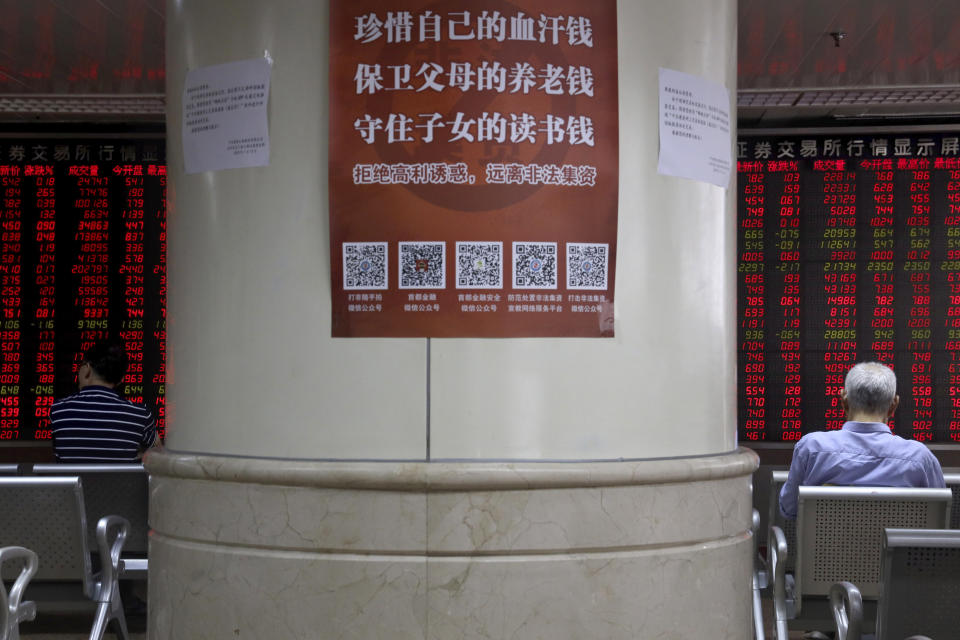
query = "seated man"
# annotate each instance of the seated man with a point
(865, 452)
(96, 425)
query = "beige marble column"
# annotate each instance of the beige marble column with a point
(400, 488)
(252, 549)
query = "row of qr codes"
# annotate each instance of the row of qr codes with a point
(479, 265)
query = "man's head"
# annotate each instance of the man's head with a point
(870, 392)
(104, 364)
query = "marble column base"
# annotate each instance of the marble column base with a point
(247, 548)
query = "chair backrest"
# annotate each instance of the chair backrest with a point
(111, 489)
(953, 483)
(921, 584)
(789, 527)
(840, 532)
(47, 516)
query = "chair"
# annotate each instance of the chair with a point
(839, 535)
(50, 519)
(762, 571)
(921, 587)
(775, 518)
(953, 483)
(758, 585)
(778, 478)
(113, 489)
(13, 610)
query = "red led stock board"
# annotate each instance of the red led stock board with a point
(82, 257)
(848, 250)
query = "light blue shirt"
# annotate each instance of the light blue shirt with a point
(865, 454)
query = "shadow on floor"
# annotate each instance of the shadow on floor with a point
(59, 626)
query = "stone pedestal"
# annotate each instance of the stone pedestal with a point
(246, 548)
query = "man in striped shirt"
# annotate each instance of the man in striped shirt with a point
(96, 425)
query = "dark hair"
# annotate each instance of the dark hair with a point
(108, 359)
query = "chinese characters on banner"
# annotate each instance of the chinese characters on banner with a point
(473, 168)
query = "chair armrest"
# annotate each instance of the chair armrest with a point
(109, 549)
(777, 566)
(13, 610)
(846, 604)
(757, 571)
(759, 562)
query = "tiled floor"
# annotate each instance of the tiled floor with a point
(75, 627)
(768, 622)
(76, 636)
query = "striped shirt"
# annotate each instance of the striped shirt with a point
(97, 425)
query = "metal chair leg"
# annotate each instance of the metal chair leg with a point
(13, 610)
(847, 607)
(758, 633)
(100, 620)
(119, 623)
(777, 563)
(109, 614)
(110, 605)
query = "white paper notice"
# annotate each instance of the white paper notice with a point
(695, 139)
(225, 116)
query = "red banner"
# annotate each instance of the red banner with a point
(473, 168)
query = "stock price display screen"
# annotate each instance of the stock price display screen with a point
(849, 250)
(82, 257)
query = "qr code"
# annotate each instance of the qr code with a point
(364, 265)
(587, 265)
(535, 265)
(479, 265)
(423, 265)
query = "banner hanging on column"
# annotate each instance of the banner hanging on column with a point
(473, 168)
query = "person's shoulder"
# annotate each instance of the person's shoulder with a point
(131, 403)
(142, 408)
(111, 398)
(817, 440)
(914, 447)
(65, 399)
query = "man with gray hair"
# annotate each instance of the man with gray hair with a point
(865, 452)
